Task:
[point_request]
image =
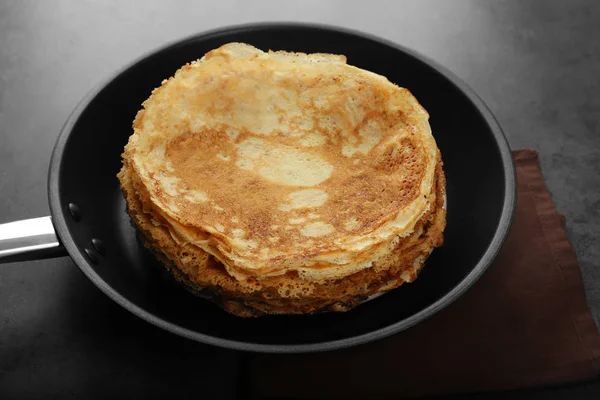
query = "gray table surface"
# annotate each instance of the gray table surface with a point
(535, 63)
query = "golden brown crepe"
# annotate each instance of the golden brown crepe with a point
(284, 182)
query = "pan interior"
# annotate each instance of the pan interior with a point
(87, 159)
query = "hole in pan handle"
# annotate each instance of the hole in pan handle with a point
(29, 239)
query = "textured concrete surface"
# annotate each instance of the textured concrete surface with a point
(535, 63)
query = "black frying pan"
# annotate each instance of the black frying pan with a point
(88, 211)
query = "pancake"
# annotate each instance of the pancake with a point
(275, 182)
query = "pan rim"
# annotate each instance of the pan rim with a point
(58, 211)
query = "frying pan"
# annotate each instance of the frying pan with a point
(88, 220)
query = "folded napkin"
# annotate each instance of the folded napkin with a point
(525, 323)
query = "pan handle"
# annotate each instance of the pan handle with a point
(29, 239)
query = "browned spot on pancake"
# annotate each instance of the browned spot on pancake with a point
(361, 191)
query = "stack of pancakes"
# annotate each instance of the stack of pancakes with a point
(284, 183)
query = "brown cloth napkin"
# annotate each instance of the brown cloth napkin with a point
(525, 323)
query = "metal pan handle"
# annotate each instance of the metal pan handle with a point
(29, 239)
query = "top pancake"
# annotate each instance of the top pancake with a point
(277, 161)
